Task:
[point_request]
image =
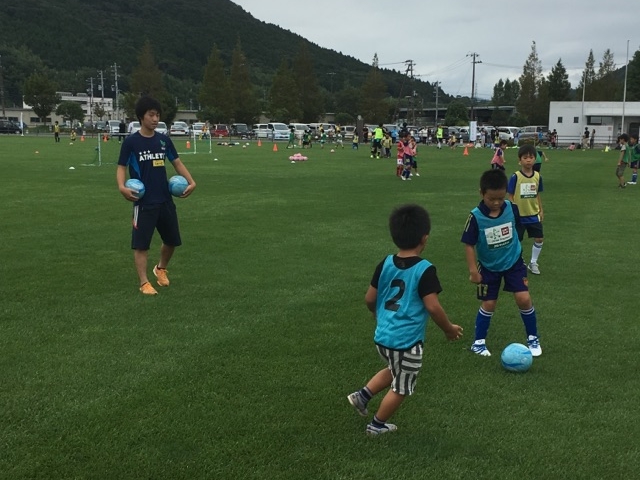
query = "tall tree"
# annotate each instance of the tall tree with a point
(284, 103)
(605, 85)
(530, 81)
(558, 83)
(588, 77)
(373, 106)
(457, 113)
(214, 92)
(244, 101)
(40, 93)
(70, 111)
(308, 91)
(146, 78)
(633, 78)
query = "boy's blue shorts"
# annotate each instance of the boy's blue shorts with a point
(515, 280)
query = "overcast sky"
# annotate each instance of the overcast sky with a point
(440, 36)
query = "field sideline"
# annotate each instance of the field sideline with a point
(240, 369)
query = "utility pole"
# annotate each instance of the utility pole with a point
(473, 80)
(90, 81)
(115, 77)
(437, 84)
(410, 66)
(2, 89)
(100, 72)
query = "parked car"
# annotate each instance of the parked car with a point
(179, 128)
(261, 130)
(240, 130)
(133, 127)
(101, 126)
(348, 131)
(113, 127)
(9, 126)
(507, 133)
(530, 132)
(162, 128)
(279, 131)
(198, 130)
(220, 130)
(298, 129)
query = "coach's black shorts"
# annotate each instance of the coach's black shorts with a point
(148, 218)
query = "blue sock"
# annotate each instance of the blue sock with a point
(634, 177)
(366, 394)
(483, 319)
(530, 321)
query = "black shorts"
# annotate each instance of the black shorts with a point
(534, 230)
(537, 167)
(148, 218)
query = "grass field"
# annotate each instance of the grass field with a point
(240, 369)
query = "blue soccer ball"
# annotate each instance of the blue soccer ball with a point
(516, 358)
(177, 185)
(135, 184)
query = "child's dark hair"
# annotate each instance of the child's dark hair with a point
(503, 142)
(633, 135)
(408, 224)
(624, 137)
(527, 149)
(144, 104)
(493, 180)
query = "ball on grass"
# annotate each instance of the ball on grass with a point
(516, 358)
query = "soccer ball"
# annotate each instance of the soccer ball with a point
(516, 358)
(177, 185)
(135, 184)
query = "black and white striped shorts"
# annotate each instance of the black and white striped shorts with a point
(404, 365)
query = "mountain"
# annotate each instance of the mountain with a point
(74, 39)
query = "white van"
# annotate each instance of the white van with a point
(298, 129)
(278, 131)
(261, 130)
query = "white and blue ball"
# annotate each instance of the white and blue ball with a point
(516, 357)
(137, 185)
(177, 185)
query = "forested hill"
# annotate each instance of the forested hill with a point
(74, 38)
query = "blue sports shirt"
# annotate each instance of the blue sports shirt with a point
(495, 239)
(146, 158)
(400, 311)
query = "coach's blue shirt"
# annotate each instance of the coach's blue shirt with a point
(400, 311)
(495, 239)
(146, 158)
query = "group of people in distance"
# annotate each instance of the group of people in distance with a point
(403, 292)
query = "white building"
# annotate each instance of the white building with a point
(608, 119)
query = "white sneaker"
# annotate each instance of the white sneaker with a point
(417, 174)
(533, 343)
(533, 268)
(479, 348)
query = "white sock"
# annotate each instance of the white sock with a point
(535, 251)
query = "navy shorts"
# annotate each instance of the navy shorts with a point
(515, 280)
(634, 164)
(148, 218)
(534, 230)
(537, 167)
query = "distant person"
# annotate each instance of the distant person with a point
(592, 139)
(386, 144)
(494, 254)
(292, 138)
(524, 189)
(497, 161)
(585, 138)
(355, 141)
(623, 160)
(540, 155)
(634, 157)
(144, 154)
(402, 295)
(439, 136)
(122, 130)
(365, 134)
(376, 144)
(56, 132)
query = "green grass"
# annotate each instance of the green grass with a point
(240, 369)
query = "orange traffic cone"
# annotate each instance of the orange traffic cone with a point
(259, 143)
(466, 152)
(188, 144)
(275, 147)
